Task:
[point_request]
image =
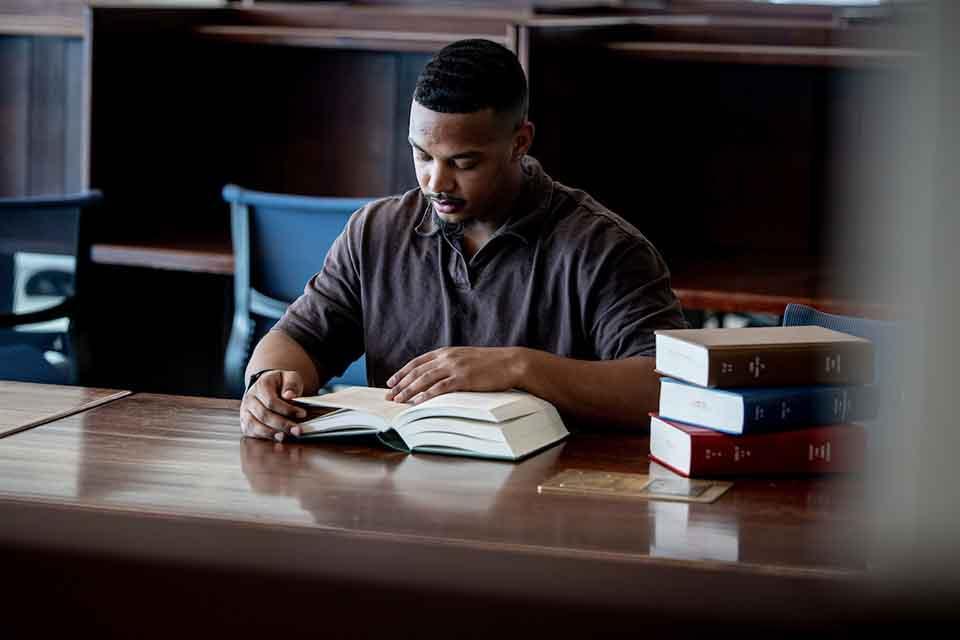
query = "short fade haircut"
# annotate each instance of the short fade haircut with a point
(472, 75)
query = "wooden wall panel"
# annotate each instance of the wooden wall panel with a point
(318, 122)
(322, 122)
(14, 114)
(48, 118)
(73, 143)
(41, 115)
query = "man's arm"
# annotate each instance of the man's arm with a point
(611, 391)
(277, 350)
(265, 411)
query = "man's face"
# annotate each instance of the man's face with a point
(462, 160)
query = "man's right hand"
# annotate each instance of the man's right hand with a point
(266, 412)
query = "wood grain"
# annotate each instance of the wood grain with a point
(184, 255)
(368, 40)
(184, 458)
(26, 405)
(828, 56)
(154, 495)
(40, 115)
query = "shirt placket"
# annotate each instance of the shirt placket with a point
(457, 265)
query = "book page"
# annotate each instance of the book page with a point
(369, 400)
(476, 405)
(485, 401)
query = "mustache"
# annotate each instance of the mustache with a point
(442, 197)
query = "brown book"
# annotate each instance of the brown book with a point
(764, 356)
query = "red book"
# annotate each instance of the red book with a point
(694, 451)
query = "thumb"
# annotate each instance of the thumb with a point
(292, 385)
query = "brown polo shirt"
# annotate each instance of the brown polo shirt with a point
(562, 274)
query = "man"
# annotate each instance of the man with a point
(490, 276)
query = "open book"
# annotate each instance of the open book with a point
(507, 425)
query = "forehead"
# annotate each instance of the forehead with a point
(453, 130)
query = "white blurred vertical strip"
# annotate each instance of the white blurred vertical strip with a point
(936, 466)
(905, 207)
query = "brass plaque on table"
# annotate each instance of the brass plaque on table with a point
(634, 485)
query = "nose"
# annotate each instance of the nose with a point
(441, 179)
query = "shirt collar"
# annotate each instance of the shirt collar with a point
(531, 209)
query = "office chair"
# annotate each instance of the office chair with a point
(884, 334)
(279, 242)
(41, 257)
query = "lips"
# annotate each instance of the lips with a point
(449, 206)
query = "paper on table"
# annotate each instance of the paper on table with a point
(634, 485)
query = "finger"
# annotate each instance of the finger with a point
(403, 384)
(267, 396)
(413, 364)
(422, 383)
(292, 385)
(269, 392)
(445, 385)
(269, 418)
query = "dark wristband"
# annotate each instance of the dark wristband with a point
(256, 376)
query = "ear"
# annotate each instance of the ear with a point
(522, 139)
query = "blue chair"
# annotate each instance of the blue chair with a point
(279, 242)
(41, 255)
(884, 334)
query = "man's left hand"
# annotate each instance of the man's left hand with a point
(457, 369)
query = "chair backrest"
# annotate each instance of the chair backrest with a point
(40, 248)
(279, 243)
(883, 334)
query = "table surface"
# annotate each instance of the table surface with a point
(125, 502)
(184, 458)
(25, 405)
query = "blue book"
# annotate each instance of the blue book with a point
(759, 409)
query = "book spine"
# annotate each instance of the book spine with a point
(807, 406)
(833, 364)
(836, 448)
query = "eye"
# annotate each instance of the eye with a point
(466, 165)
(421, 156)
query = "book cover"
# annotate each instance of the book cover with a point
(695, 451)
(760, 409)
(764, 356)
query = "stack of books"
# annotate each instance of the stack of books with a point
(762, 400)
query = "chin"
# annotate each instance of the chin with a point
(454, 218)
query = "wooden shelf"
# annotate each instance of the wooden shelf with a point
(25, 25)
(766, 285)
(199, 256)
(374, 40)
(762, 54)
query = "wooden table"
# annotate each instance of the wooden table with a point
(151, 516)
(24, 405)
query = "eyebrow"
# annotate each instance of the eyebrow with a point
(466, 155)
